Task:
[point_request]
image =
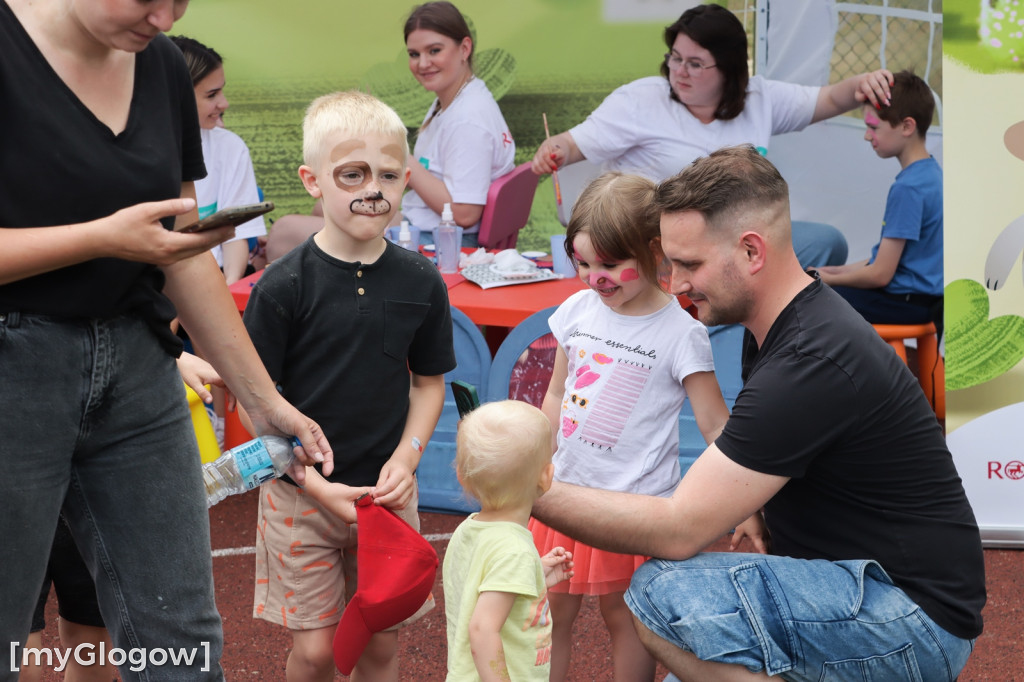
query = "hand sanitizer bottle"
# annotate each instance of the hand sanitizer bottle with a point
(405, 237)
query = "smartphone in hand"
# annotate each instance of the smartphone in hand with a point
(235, 215)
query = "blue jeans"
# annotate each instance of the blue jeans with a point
(818, 244)
(818, 620)
(93, 417)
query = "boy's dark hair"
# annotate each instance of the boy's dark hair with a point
(201, 60)
(718, 31)
(440, 17)
(911, 98)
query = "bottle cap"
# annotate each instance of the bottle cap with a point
(446, 213)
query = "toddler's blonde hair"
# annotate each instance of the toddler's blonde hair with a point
(501, 450)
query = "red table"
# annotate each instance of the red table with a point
(241, 289)
(508, 306)
(497, 307)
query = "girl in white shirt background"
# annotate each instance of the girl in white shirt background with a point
(230, 179)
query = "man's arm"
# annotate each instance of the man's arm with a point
(715, 496)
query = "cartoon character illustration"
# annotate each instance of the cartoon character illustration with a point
(979, 349)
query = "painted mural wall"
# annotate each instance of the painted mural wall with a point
(984, 213)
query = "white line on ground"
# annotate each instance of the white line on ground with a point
(241, 551)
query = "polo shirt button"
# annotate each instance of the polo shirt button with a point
(359, 273)
(361, 291)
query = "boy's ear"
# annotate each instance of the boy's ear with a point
(408, 174)
(309, 181)
(908, 126)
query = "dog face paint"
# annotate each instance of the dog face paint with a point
(371, 169)
(359, 181)
(375, 204)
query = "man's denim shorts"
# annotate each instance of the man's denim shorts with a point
(801, 619)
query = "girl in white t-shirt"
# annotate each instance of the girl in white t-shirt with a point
(464, 143)
(462, 146)
(628, 355)
(230, 180)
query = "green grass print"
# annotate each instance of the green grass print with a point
(557, 57)
(961, 38)
(273, 132)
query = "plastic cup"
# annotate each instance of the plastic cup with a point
(448, 247)
(414, 232)
(560, 262)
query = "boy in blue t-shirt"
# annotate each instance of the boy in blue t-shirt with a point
(902, 282)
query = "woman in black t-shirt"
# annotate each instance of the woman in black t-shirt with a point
(101, 148)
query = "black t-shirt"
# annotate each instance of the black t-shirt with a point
(830, 405)
(61, 165)
(340, 340)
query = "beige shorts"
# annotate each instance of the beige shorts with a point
(306, 560)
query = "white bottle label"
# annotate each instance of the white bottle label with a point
(254, 464)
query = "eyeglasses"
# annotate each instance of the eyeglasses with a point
(692, 67)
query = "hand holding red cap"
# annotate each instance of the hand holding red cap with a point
(396, 568)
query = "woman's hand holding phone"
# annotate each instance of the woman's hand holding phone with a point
(235, 215)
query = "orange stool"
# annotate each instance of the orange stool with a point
(931, 368)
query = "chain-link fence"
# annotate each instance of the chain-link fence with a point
(894, 34)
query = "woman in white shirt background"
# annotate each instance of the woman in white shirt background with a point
(461, 147)
(230, 180)
(464, 143)
(705, 99)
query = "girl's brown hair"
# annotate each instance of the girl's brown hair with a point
(617, 212)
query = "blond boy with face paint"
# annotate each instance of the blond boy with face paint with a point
(902, 281)
(357, 330)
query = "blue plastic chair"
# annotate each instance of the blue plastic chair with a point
(439, 490)
(727, 350)
(522, 365)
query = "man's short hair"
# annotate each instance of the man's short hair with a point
(353, 112)
(725, 182)
(911, 98)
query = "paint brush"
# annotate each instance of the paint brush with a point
(554, 173)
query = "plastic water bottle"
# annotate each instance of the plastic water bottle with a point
(248, 465)
(448, 242)
(405, 237)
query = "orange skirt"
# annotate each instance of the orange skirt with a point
(596, 571)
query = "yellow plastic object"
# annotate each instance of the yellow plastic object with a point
(205, 437)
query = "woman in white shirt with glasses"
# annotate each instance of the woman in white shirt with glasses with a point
(705, 99)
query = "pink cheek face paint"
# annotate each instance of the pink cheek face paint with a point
(630, 275)
(872, 122)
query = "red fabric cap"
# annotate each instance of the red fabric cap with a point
(396, 567)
